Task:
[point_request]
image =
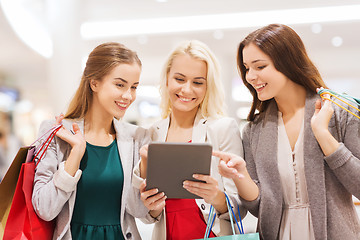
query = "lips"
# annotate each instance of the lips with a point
(122, 105)
(260, 87)
(184, 99)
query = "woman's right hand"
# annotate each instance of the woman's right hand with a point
(230, 165)
(152, 199)
(75, 139)
(77, 142)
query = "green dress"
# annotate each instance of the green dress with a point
(98, 199)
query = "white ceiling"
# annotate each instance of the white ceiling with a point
(22, 67)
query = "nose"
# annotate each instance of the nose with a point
(128, 94)
(250, 75)
(186, 88)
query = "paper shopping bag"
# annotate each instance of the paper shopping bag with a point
(8, 184)
(22, 221)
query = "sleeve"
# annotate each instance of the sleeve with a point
(53, 186)
(136, 181)
(231, 142)
(345, 161)
(252, 206)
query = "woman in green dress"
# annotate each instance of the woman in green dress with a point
(84, 180)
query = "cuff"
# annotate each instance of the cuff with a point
(65, 181)
(339, 157)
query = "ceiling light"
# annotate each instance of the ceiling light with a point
(27, 28)
(91, 30)
(337, 41)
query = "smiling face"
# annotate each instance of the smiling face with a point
(116, 91)
(261, 73)
(186, 83)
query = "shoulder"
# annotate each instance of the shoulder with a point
(128, 130)
(159, 124)
(221, 123)
(46, 125)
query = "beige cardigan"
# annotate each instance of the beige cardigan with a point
(224, 135)
(55, 190)
(331, 181)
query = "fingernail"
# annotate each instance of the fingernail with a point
(195, 175)
(229, 164)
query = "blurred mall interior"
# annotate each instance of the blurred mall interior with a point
(44, 45)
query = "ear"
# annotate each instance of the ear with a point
(94, 85)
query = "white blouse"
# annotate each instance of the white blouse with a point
(296, 221)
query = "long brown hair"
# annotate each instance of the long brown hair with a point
(287, 51)
(100, 63)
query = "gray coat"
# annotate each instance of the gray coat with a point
(331, 181)
(55, 190)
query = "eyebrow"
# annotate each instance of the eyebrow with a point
(123, 80)
(194, 78)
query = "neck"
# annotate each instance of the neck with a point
(183, 119)
(98, 123)
(292, 99)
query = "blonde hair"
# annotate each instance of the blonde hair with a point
(213, 104)
(101, 61)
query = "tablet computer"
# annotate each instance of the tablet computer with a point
(170, 164)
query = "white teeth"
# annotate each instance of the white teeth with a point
(185, 99)
(122, 104)
(260, 86)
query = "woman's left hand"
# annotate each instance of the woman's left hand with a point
(322, 115)
(208, 190)
(320, 126)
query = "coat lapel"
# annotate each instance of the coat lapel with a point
(125, 147)
(269, 177)
(199, 130)
(161, 130)
(198, 134)
(314, 172)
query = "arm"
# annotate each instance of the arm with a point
(232, 143)
(229, 142)
(53, 185)
(151, 199)
(252, 206)
(341, 157)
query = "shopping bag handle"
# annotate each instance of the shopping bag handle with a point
(336, 95)
(212, 215)
(50, 130)
(46, 143)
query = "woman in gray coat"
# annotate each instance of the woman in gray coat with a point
(84, 180)
(302, 152)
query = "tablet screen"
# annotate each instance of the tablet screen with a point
(170, 164)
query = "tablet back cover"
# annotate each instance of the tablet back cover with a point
(170, 164)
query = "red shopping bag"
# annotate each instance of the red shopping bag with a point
(23, 222)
